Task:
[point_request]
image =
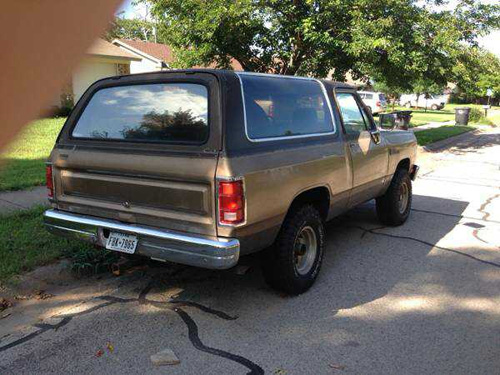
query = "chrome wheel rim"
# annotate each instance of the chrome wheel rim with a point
(404, 195)
(305, 249)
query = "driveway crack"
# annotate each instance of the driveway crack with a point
(372, 231)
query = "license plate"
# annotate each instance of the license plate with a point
(126, 243)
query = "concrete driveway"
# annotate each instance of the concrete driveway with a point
(423, 298)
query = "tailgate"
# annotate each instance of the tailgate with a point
(139, 163)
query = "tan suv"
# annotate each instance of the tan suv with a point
(200, 167)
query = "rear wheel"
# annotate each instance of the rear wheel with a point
(293, 263)
(408, 105)
(434, 107)
(393, 208)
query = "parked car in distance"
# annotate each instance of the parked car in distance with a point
(376, 102)
(434, 102)
(201, 167)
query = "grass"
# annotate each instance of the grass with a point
(26, 244)
(427, 136)
(422, 117)
(23, 163)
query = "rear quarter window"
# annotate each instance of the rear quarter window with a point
(163, 112)
(278, 107)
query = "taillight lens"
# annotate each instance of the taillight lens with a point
(378, 104)
(49, 181)
(231, 202)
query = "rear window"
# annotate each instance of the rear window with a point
(163, 112)
(284, 107)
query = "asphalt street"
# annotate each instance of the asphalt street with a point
(423, 298)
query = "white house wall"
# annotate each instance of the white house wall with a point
(88, 72)
(143, 66)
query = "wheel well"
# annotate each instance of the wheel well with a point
(319, 197)
(404, 164)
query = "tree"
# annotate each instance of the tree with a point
(123, 28)
(475, 72)
(393, 41)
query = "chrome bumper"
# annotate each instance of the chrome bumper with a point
(164, 245)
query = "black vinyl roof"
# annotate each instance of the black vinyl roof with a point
(222, 72)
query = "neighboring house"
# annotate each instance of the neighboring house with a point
(154, 56)
(102, 60)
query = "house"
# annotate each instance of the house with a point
(154, 56)
(103, 59)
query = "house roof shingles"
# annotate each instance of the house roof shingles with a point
(106, 49)
(163, 52)
(159, 51)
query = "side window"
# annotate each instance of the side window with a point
(354, 121)
(362, 96)
(284, 107)
(369, 96)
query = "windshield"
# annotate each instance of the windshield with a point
(164, 112)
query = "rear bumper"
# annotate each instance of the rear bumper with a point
(158, 244)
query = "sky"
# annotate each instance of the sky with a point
(491, 42)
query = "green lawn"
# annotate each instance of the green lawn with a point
(427, 136)
(26, 244)
(421, 117)
(22, 165)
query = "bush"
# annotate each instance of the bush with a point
(476, 115)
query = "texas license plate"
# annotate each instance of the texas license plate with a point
(126, 243)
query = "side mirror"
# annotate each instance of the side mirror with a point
(375, 133)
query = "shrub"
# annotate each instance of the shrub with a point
(476, 115)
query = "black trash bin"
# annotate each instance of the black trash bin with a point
(462, 115)
(403, 119)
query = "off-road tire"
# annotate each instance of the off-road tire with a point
(278, 262)
(388, 210)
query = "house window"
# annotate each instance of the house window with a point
(122, 69)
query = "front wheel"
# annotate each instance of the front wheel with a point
(408, 105)
(293, 263)
(393, 208)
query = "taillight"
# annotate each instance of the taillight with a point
(49, 181)
(231, 202)
(378, 104)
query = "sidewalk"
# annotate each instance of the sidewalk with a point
(431, 125)
(12, 201)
